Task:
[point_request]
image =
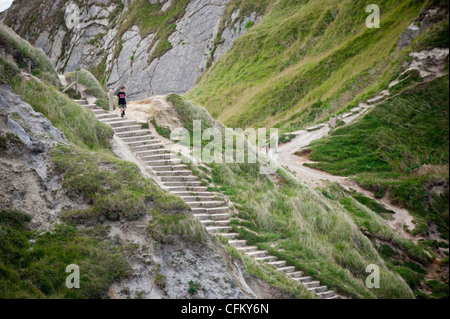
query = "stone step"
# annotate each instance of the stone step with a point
(173, 173)
(205, 204)
(296, 274)
(105, 116)
(278, 263)
(287, 270)
(165, 168)
(303, 279)
(209, 222)
(199, 198)
(258, 253)
(120, 123)
(192, 189)
(91, 106)
(266, 259)
(217, 210)
(237, 243)
(318, 289)
(311, 284)
(81, 102)
(179, 178)
(99, 111)
(213, 216)
(229, 235)
(113, 120)
(151, 152)
(247, 249)
(145, 140)
(156, 157)
(133, 133)
(193, 194)
(121, 129)
(146, 144)
(168, 162)
(218, 229)
(327, 294)
(187, 183)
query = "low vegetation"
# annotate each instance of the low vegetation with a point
(22, 54)
(33, 264)
(400, 149)
(93, 87)
(115, 189)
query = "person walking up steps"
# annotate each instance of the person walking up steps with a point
(122, 101)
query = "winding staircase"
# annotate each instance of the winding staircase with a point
(173, 176)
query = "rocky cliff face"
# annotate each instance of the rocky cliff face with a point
(113, 38)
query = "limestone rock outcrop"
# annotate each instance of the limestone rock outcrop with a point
(90, 34)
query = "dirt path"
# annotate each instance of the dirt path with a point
(430, 64)
(316, 178)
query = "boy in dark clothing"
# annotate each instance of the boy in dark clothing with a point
(122, 101)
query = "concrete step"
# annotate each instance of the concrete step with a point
(327, 294)
(147, 144)
(187, 183)
(247, 249)
(229, 236)
(121, 129)
(99, 111)
(198, 198)
(217, 210)
(237, 243)
(173, 173)
(133, 133)
(258, 253)
(278, 263)
(165, 168)
(209, 222)
(296, 274)
(213, 216)
(311, 284)
(157, 157)
(192, 189)
(156, 151)
(303, 279)
(194, 194)
(287, 270)
(113, 120)
(179, 178)
(120, 123)
(81, 102)
(218, 229)
(168, 162)
(318, 289)
(91, 106)
(266, 259)
(105, 116)
(205, 204)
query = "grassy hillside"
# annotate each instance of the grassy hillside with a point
(400, 148)
(305, 61)
(314, 232)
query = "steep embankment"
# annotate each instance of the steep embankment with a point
(69, 200)
(307, 60)
(152, 47)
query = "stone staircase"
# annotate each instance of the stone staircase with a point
(207, 206)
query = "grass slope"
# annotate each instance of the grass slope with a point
(305, 61)
(400, 148)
